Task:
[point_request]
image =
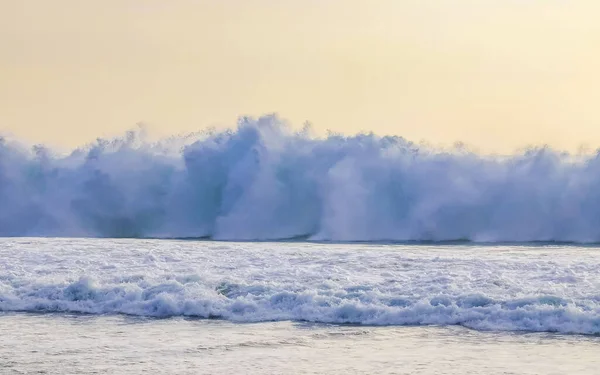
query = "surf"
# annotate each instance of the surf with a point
(266, 181)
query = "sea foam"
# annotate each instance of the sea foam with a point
(507, 288)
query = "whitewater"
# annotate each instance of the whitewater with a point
(265, 181)
(489, 288)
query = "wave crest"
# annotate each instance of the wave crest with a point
(264, 181)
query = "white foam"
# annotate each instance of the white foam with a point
(552, 289)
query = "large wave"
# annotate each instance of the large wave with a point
(264, 181)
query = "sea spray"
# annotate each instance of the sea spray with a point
(264, 181)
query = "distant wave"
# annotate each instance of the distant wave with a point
(264, 181)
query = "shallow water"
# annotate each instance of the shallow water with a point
(59, 344)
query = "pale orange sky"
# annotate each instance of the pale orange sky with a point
(497, 74)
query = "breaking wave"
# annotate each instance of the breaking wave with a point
(264, 181)
(499, 288)
(257, 303)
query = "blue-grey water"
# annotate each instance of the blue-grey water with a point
(63, 344)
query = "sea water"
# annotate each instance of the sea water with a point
(442, 295)
(90, 306)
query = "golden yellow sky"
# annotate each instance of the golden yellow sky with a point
(497, 74)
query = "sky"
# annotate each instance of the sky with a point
(495, 74)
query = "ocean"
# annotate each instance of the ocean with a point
(266, 250)
(131, 306)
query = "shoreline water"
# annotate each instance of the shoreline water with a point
(62, 344)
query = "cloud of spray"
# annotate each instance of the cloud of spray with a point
(265, 181)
